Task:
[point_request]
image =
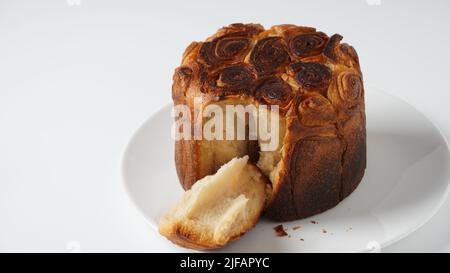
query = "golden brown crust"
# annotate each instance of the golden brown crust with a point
(272, 90)
(185, 237)
(187, 162)
(318, 84)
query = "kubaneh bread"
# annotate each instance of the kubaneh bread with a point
(316, 81)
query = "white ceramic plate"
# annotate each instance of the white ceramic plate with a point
(406, 182)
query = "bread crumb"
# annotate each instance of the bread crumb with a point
(324, 230)
(314, 222)
(296, 227)
(279, 230)
(301, 239)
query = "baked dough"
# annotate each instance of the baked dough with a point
(218, 208)
(317, 82)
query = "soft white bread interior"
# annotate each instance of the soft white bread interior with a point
(218, 208)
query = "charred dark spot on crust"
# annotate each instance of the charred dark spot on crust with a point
(312, 75)
(204, 53)
(227, 48)
(231, 80)
(354, 159)
(203, 76)
(273, 90)
(230, 47)
(316, 188)
(235, 75)
(332, 46)
(268, 55)
(308, 44)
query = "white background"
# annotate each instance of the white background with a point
(78, 77)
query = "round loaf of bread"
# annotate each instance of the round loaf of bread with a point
(317, 83)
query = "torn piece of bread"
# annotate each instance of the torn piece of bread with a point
(218, 208)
